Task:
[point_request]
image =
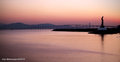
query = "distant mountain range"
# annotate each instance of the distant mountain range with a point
(37, 26)
(40, 26)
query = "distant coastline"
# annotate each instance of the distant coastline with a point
(15, 26)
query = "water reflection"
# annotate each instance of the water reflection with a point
(50, 46)
(102, 40)
(102, 46)
(102, 37)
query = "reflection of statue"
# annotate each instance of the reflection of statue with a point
(102, 46)
(102, 24)
(102, 40)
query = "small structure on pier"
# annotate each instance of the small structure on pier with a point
(102, 27)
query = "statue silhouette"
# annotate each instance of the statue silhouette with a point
(102, 24)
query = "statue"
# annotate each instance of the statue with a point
(102, 27)
(102, 24)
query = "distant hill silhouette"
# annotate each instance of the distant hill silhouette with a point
(36, 26)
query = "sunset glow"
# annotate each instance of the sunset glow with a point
(60, 11)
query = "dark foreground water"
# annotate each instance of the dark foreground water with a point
(50, 46)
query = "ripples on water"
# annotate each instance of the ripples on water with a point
(51, 46)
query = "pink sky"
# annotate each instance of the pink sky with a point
(60, 11)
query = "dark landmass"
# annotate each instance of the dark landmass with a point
(94, 30)
(79, 30)
(14, 26)
(26, 26)
(44, 26)
(108, 31)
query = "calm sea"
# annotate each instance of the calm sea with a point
(56, 46)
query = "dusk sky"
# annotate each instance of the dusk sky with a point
(60, 11)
